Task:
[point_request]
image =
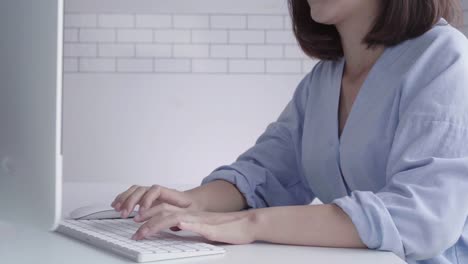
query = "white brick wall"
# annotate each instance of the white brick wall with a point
(280, 37)
(154, 50)
(116, 21)
(134, 65)
(164, 93)
(182, 43)
(172, 36)
(70, 65)
(228, 21)
(97, 65)
(209, 36)
(79, 50)
(172, 65)
(191, 50)
(246, 36)
(97, 35)
(80, 20)
(210, 65)
(265, 51)
(116, 50)
(134, 35)
(228, 51)
(70, 35)
(191, 21)
(266, 22)
(291, 51)
(153, 21)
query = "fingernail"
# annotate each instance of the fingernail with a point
(137, 217)
(117, 206)
(140, 234)
(124, 213)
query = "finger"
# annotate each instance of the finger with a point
(175, 197)
(150, 196)
(120, 199)
(115, 200)
(156, 203)
(132, 200)
(162, 209)
(155, 225)
(166, 195)
(206, 230)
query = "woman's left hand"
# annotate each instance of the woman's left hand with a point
(232, 228)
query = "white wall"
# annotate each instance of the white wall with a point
(167, 41)
(178, 6)
(164, 129)
(166, 91)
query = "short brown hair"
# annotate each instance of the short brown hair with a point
(399, 20)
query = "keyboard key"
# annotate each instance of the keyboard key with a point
(116, 235)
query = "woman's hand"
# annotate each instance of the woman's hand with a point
(232, 228)
(147, 197)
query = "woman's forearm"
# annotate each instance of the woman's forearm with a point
(218, 196)
(311, 225)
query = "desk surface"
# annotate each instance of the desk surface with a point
(27, 245)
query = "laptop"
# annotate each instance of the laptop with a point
(31, 139)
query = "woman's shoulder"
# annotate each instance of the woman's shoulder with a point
(445, 33)
(420, 60)
(433, 71)
(442, 41)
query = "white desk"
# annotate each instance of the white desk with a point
(28, 245)
(31, 246)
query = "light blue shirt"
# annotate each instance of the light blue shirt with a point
(399, 169)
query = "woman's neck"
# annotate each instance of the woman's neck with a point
(358, 56)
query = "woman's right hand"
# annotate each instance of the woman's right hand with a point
(149, 196)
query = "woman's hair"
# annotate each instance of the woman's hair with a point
(398, 20)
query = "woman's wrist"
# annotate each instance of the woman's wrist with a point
(248, 227)
(254, 218)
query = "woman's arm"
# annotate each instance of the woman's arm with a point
(217, 196)
(309, 225)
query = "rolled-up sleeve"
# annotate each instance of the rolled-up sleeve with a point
(269, 173)
(423, 207)
(422, 210)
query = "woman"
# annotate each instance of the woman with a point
(378, 131)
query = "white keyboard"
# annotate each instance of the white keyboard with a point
(115, 234)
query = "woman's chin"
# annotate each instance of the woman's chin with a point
(323, 19)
